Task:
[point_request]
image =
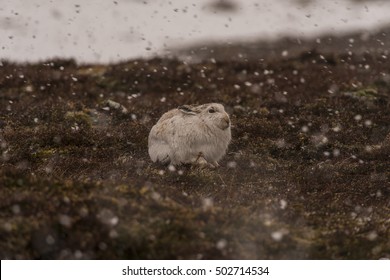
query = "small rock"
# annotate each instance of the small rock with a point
(116, 106)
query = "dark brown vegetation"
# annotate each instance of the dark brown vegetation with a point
(306, 176)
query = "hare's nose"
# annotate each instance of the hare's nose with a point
(226, 119)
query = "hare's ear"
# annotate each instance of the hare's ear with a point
(188, 110)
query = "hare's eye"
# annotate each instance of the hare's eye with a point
(212, 110)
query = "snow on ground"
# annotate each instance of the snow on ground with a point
(101, 31)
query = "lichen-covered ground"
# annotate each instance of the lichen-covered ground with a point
(306, 175)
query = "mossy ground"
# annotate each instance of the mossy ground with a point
(306, 176)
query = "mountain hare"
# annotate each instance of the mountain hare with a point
(191, 134)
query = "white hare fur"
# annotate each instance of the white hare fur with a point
(191, 134)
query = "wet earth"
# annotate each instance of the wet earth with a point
(306, 175)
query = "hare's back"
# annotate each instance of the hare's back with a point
(159, 130)
(174, 127)
(169, 115)
(174, 122)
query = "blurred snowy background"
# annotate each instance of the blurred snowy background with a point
(101, 31)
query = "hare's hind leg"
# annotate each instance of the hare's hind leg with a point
(199, 157)
(199, 160)
(203, 163)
